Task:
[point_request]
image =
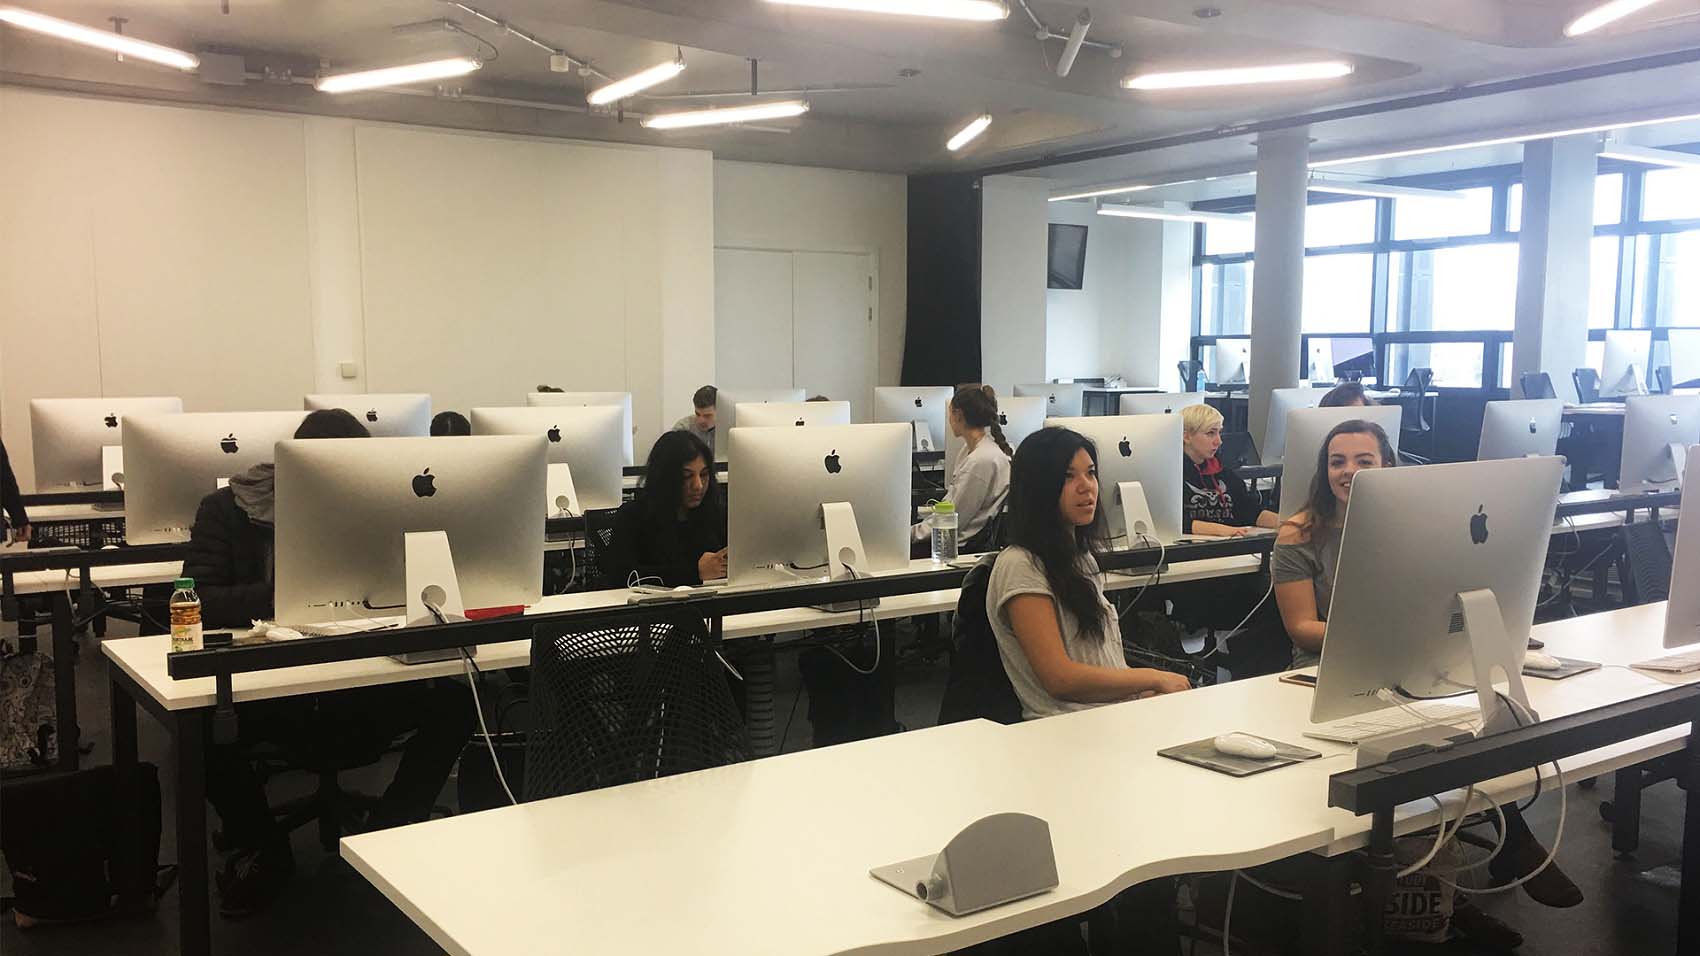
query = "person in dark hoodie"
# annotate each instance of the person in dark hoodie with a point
(674, 532)
(12, 514)
(231, 560)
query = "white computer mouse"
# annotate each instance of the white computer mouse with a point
(683, 587)
(1541, 661)
(1244, 745)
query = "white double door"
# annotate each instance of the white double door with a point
(788, 319)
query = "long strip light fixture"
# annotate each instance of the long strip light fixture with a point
(1239, 76)
(940, 9)
(1172, 215)
(1348, 187)
(1504, 140)
(102, 39)
(1603, 14)
(969, 133)
(397, 75)
(721, 116)
(636, 83)
(1650, 155)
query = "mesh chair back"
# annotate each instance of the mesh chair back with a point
(1587, 383)
(598, 532)
(628, 703)
(1649, 562)
(1663, 375)
(1537, 385)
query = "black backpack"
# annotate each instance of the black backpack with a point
(977, 686)
(84, 845)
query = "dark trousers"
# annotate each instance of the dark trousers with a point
(347, 728)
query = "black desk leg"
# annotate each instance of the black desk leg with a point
(1626, 811)
(756, 663)
(1688, 898)
(1381, 870)
(123, 725)
(1327, 904)
(188, 739)
(65, 681)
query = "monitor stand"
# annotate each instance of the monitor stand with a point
(1490, 647)
(920, 436)
(111, 467)
(1136, 512)
(432, 584)
(561, 497)
(1679, 458)
(1632, 382)
(844, 553)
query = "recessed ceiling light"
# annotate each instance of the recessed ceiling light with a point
(1603, 14)
(1173, 215)
(101, 39)
(724, 115)
(1504, 140)
(945, 9)
(1239, 76)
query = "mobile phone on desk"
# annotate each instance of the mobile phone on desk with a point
(1299, 678)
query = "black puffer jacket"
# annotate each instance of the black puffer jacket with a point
(230, 558)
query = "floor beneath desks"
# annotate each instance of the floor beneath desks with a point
(329, 909)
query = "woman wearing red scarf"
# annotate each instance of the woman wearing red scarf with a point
(1215, 500)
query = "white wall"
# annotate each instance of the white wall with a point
(794, 208)
(1013, 241)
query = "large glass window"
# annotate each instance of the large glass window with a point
(1471, 214)
(1337, 292)
(1228, 238)
(1225, 298)
(1456, 288)
(1678, 265)
(1671, 194)
(1348, 223)
(1608, 202)
(1602, 282)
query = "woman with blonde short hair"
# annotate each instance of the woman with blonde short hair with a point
(1215, 501)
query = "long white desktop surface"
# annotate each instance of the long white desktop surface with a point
(772, 856)
(143, 658)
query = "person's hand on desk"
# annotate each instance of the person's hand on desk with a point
(21, 533)
(1165, 682)
(712, 565)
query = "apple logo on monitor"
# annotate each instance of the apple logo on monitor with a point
(228, 444)
(554, 433)
(833, 466)
(1125, 447)
(917, 401)
(424, 484)
(1003, 419)
(111, 420)
(1052, 397)
(1479, 525)
(371, 414)
(1533, 429)
(799, 423)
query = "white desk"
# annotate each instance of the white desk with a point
(108, 576)
(772, 856)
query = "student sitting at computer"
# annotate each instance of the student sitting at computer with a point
(701, 421)
(1058, 635)
(12, 514)
(1216, 501)
(1346, 395)
(450, 425)
(231, 559)
(980, 485)
(674, 532)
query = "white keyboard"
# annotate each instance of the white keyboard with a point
(1357, 729)
(1674, 664)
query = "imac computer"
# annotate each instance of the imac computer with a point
(1142, 449)
(1682, 612)
(1230, 362)
(1440, 568)
(809, 503)
(385, 416)
(1282, 401)
(67, 435)
(728, 400)
(1657, 432)
(1159, 403)
(1061, 401)
(1017, 418)
(1306, 428)
(171, 462)
(925, 408)
(1624, 369)
(1522, 428)
(355, 519)
(792, 414)
(586, 440)
(1684, 358)
(622, 399)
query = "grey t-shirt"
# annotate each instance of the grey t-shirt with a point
(1312, 561)
(689, 424)
(1017, 572)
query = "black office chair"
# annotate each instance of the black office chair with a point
(1191, 372)
(329, 805)
(598, 533)
(977, 685)
(1663, 375)
(1587, 385)
(1536, 385)
(628, 703)
(1413, 401)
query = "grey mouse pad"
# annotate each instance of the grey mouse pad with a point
(1571, 667)
(1202, 753)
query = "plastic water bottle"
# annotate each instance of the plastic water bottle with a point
(943, 524)
(185, 616)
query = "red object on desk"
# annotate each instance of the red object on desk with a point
(486, 613)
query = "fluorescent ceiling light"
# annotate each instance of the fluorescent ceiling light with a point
(728, 114)
(397, 75)
(1110, 191)
(1173, 215)
(1603, 14)
(969, 133)
(944, 9)
(1649, 155)
(1346, 187)
(104, 39)
(1239, 76)
(636, 83)
(1505, 140)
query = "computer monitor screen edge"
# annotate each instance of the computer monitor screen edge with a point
(1682, 611)
(585, 438)
(1651, 425)
(1519, 428)
(67, 435)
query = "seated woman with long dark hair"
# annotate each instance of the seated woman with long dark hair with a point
(674, 532)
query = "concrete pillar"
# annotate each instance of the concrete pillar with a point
(1551, 334)
(1277, 292)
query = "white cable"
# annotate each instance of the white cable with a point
(1254, 608)
(1156, 573)
(1563, 806)
(1272, 891)
(1503, 831)
(478, 707)
(1442, 835)
(860, 620)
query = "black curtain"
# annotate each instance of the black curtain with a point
(942, 342)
